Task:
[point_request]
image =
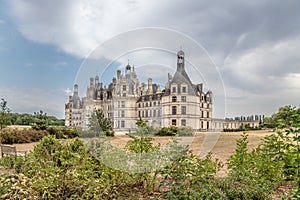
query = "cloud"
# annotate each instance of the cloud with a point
(253, 43)
(264, 68)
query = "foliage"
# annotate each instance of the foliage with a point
(284, 118)
(40, 121)
(141, 144)
(190, 177)
(246, 128)
(141, 123)
(29, 119)
(63, 171)
(56, 170)
(168, 131)
(62, 132)
(185, 131)
(10, 136)
(98, 123)
(4, 114)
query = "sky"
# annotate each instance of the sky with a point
(254, 46)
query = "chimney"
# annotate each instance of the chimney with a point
(158, 89)
(199, 87)
(150, 89)
(75, 90)
(91, 82)
(118, 74)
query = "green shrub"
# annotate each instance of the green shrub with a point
(62, 132)
(190, 177)
(9, 136)
(185, 131)
(168, 131)
(109, 133)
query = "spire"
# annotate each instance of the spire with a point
(180, 60)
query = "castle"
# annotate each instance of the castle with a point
(125, 100)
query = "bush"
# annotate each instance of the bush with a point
(10, 136)
(63, 132)
(190, 177)
(168, 131)
(185, 131)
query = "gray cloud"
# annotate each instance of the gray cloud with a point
(254, 43)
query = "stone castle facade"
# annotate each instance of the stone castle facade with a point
(180, 103)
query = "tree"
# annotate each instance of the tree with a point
(141, 123)
(286, 117)
(99, 123)
(40, 121)
(4, 114)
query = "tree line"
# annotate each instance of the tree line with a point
(38, 119)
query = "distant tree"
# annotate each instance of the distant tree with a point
(39, 121)
(99, 123)
(5, 117)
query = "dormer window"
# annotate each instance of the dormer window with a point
(174, 89)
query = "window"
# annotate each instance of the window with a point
(183, 98)
(207, 115)
(184, 89)
(174, 89)
(202, 114)
(183, 122)
(174, 110)
(146, 104)
(154, 113)
(183, 110)
(174, 98)
(158, 113)
(139, 105)
(122, 113)
(150, 104)
(124, 87)
(122, 124)
(139, 113)
(173, 122)
(154, 103)
(146, 113)
(124, 94)
(123, 104)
